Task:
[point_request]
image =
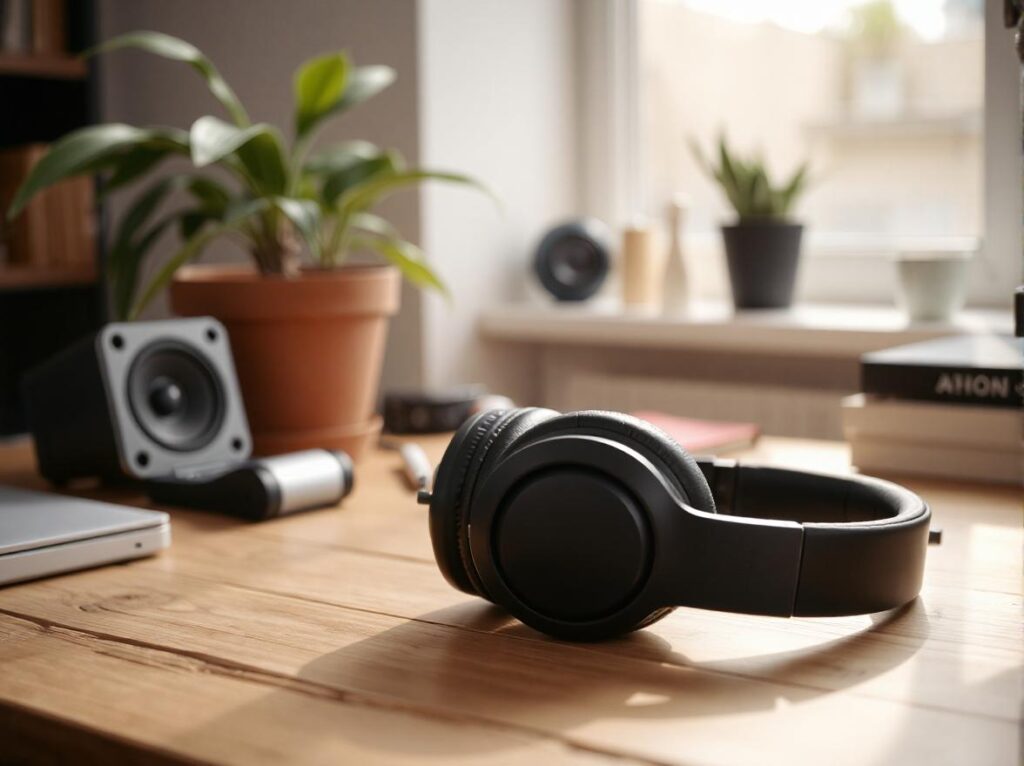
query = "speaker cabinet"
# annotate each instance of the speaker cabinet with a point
(140, 399)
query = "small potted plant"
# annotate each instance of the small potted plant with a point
(762, 247)
(308, 324)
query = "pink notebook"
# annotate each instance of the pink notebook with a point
(703, 436)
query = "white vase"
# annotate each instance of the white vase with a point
(932, 285)
(676, 289)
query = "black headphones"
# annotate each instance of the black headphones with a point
(592, 524)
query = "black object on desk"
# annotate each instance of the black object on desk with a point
(260, 489)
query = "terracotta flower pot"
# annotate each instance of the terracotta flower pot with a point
(308, 350)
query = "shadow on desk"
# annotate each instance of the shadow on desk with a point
(491, 673)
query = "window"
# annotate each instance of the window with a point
(885, 98)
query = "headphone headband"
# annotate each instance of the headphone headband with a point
(862, 543)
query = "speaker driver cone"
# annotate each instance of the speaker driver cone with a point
(175, 396)
(572, 260)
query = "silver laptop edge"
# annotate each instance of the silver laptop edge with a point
(44, 534)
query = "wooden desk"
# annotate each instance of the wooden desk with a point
(331, 637)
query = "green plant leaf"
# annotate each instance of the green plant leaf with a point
(212, 139)
(235, 217)
(176, 49)
(258, 148)
(364, 195)
(409, 260)
(212, 196)
(86, 150)
(132, 165)
(191, 221)
(124, 277)
(136, 161)
(761, 202)
(143, 207)
(793, 189)
(374, 224)
(264, 159)
(191, 249)
(339, 182)
(364, 83)
(319, 85)
(305, 215)
(731, 177)
(129, 248)
(747, 184)
(340, 156)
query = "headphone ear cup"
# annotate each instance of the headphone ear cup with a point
(476, 447)
(678, 467)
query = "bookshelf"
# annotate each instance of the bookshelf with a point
(41, 65)
(36, 278)
(47, 300)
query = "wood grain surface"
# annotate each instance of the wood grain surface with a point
(331, 637)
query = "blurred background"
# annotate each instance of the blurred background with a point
(905, 112)
(885, 98)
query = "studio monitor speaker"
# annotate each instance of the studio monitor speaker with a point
(140, 399)
(572, 260)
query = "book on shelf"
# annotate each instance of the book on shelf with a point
(15, 26)
(983, 370)
(49, 27)
(703, 436)
(33, 26)
(57, 227)
(966, 425)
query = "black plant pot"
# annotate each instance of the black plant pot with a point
(763, 257)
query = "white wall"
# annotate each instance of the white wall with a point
(257, 45)
(497, 95)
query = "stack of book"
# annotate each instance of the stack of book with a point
(33, 27)
(948, 408)
(57, 228)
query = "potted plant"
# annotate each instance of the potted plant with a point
(762, 247)
(308, 322)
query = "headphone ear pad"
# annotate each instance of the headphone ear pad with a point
(476, 447)
(676, 464)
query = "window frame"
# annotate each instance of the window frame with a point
(612, 157)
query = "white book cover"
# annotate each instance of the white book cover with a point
(929, 422)
(889, 457)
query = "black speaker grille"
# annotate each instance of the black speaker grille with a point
(176, 396)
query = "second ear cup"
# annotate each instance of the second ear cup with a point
(476, 446)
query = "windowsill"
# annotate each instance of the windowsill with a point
(804, 330)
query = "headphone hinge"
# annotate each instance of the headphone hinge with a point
(721, 477)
